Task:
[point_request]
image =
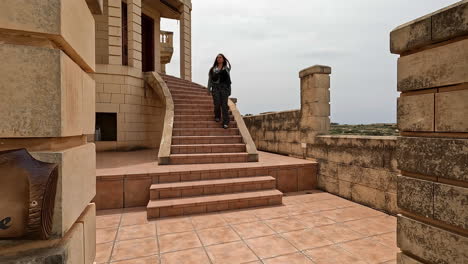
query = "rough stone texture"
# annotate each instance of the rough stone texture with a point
(88, 219)
(43, 94)
(444, 24)
(452, 111)
(430, 243)
(404, 259)
(416, 113)
(416, 196)
(420, 70)
(439, 157)
(321, 69)
(76, 186)
(450, 205)
(57, 20)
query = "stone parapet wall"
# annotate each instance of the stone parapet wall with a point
(433, 151)
(140, 111)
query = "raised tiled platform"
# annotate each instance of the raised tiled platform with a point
(124, 178)
(308, 229)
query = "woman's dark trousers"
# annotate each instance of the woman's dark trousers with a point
(220, 99)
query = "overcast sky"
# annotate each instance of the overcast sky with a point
(269, 41)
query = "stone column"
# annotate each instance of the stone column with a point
(315, 102)
(115, 31)
(186, 43)
(432, 151)
(47, 107)
(134, 33)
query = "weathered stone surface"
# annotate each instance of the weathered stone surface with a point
(57, 20)
(368, 196)
(42, 95)
(88, 219)
(445, 158)
(416, 196)
(450, 23)
(430, 243)
(404, 259)
(450, 205)
(444, 24)
(89, 105)
(452, 111)
(76, 185)
(416, 113)
(96, 6)
(441, 66)
(320, 69)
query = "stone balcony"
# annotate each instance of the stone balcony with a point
(167, 46)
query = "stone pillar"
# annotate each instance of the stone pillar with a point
(186, 43)
(115, 31)
(134, 33)
(47, 105)
(157, 44)
(432, 151)
(315, 101)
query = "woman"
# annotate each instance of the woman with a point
(219, 85)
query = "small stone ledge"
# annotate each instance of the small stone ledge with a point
(96, 6)
(316, 69)
(444, 24)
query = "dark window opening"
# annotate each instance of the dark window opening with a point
(147, 45)
(124, 34)
(106, 127)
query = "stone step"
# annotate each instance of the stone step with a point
(186, 88)
(208, 148)
(191, 101)
(202, 124)
(187, 140)
(196, 117)
(210, 187)
(212, 203)
(205, 132)
(183, 92)
(183, 96)
(206, 158)
(205, 107)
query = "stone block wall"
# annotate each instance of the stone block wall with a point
(432, 154)
(140, 112)
(359, 168)
(47, 101)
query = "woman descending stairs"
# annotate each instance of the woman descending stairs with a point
(198, 139)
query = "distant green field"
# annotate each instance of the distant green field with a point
(368, 130)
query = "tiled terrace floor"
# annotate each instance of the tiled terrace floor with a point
(309, 228)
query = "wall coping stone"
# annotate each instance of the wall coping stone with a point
(447, 23)
(316, 69)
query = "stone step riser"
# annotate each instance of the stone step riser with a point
(179, 96)
(212, 132)
(195, 112)
(219, 140)
(207, 159)
(211, 188)
(194, 102)
(207, 149)
(190, 107)
(196, 118)
(181, 92)
(235, 203)
(186, 88)
(202, 124)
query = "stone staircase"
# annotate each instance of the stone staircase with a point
(198, 139)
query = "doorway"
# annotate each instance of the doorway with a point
(147, 45)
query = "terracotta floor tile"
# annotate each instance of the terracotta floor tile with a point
(271, 212)
(179, 241)
(369, 250)
(340, 203)
(189, 256)
(237, 217)
(296, 209)
(394, 261)
(136, 231)
(253, 229)
(321, 196)
(333, 254)
(387, 239)
(104, 235)
(134, 218)
(338, 233)
(373, 225)
(108, 221)
(147, 260)
(135, 248)
(314, 219)
(318, 206)
(217, 235)
(281, 225)
(173, 225)
(230, 253)
(208, 221)
(306, 239)
(270, 246)
(296, 258)
(103, 252)
(351, 213)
